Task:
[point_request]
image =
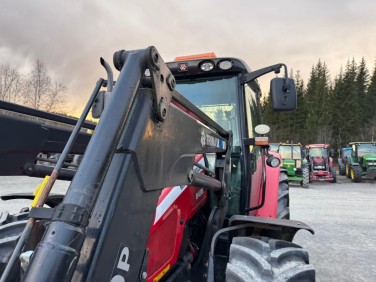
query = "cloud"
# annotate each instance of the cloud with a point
(70, 36)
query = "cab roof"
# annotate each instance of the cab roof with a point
(370, 142)
(318, 145)
(288, 144)
(191, 67)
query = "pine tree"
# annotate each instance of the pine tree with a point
(301, 111)
(317, 101)
(351, 102)
(371, 102)
(337, 94)
(362, 80)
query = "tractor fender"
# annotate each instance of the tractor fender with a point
(270, 207)
(354, 164)
(330, 162)
(284, 229)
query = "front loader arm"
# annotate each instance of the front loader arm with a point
(142, 144)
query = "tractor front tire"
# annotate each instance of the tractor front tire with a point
(342, 169)
(275, 260)
(356, 173)
(348, 170)
(283, 197)
(9, 235)
(305, 174)
(334, 174)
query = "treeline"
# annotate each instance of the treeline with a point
(36, 88)
(335, 112)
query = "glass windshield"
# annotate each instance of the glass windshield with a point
(366, 149)
(317, 152)
(273, 147)
(252, 109)
(216, 97)
(346, 152)
(290, 152)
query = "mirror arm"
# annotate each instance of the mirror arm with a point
(248, 77)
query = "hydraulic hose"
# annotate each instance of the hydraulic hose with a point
(110, 76)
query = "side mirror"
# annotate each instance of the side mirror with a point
(283, 94)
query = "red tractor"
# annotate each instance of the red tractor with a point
(321, 163)
(175, 184)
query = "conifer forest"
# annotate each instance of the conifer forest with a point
(335, 111)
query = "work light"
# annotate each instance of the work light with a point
(273, 161)
(207, 66)
(225, 64)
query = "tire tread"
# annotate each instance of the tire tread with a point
(252, 259)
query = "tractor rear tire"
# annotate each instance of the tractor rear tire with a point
(11, 228)
(347, 170)
(334, 174)
(342, 169)
(275, 260)
(283, 197)
(356, 173)
(305, 174)
(9, 235)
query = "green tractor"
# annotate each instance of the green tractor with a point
(295, 163)
(362, 161)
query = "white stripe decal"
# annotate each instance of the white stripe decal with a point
(168, 201)
(172, 196)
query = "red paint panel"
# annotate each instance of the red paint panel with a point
(164, 241)
(269, 209)
(166, 234)
(256, 186)
(168, 231)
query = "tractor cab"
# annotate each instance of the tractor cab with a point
(294, 162)
(227, 91)
(321, 163)
(362, 161)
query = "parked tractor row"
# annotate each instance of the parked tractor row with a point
(358, 160)
(306, 164)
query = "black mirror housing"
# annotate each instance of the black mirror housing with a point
(283, 94)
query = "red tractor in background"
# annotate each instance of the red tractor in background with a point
(320, 162)
(175, 184)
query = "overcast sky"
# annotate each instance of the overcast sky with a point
(70, 36)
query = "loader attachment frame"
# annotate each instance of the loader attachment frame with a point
(100, 230)
(28, 132)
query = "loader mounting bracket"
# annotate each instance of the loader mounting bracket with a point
(70, 213)
(163, 82)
